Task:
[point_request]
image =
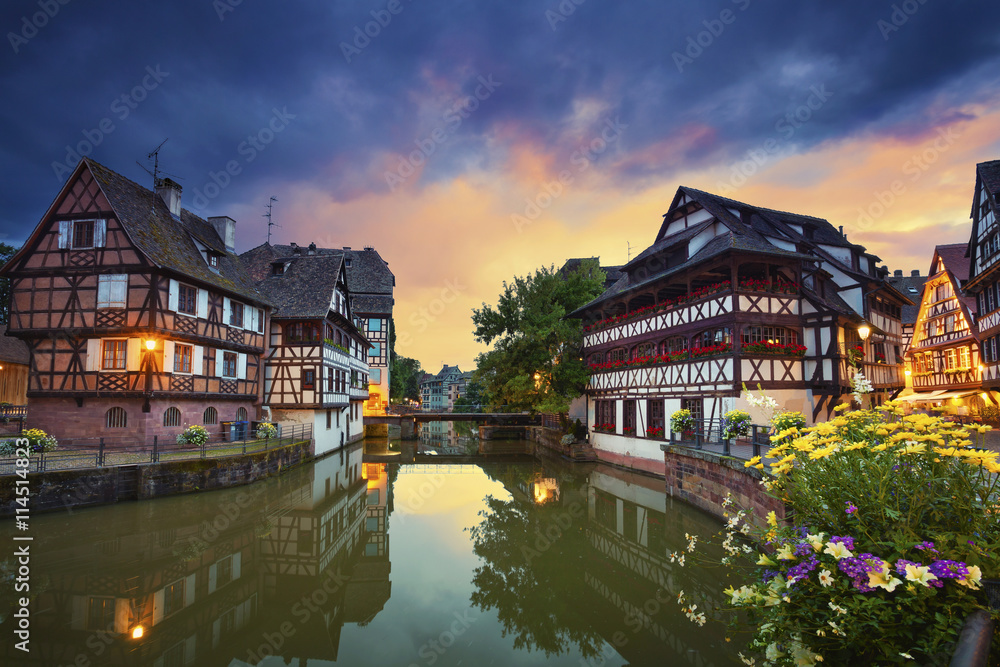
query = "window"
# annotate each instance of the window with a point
(374, 325)
(260, 320)
(278, 269)
(182, 358)
(654, 408)
(211, 416)
(759, 334)
(111, 290)
(223, 572)
(674, 345)
(950, 359)
(235, 314)
(643, 350)
(116, 418)
(942, 292)
(695, 406)
(83, 234)
(949, 323)
(605, 411)
(302, 332)
(376, 376)
(229, 364)
(113, 354)
(101, 614)
(172, 417)
(918, 363)
(309, 379)
(329, 419)
(713, 337)
(376, 350)
(617, 354)
(173, 597)
(628, 418)
(241, 415)
(187, 299)
(964, 358)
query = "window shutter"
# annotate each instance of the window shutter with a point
(197, 363)
(260, 320)
(241, 365)
(237, 557)
(174, 296)
(218, 363)
(103, 291)
(168, 356)
(157, 606)
(100, 233)
(189, 590)
(248, 314)
(64, 232)
(226, 306)
(94, 354)
(133, 354)
(118, 296)
(203, 303)
(212, 577)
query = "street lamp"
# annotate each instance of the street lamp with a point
(150, 346)
(863, 331)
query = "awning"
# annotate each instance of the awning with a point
(937, 395)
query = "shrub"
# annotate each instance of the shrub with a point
(193, 435)
(38, 441)
(681, 421)
(894, 528)
(266, 431)
(735, 424)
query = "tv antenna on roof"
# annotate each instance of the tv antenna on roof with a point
(629, 252)
(270, 223)
(154, 155)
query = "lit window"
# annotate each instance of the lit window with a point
(114, 354)
(182, 358)
(173, 597)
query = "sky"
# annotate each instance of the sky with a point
(471, 142)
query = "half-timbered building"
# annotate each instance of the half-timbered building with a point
(316, 367)
(729, 294)
(138, 315)
(984, 272)
(943, 359)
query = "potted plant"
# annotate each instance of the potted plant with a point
(735, 424)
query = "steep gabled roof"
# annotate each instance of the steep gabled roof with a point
(957, 264)
(306, 287)
(166, 241)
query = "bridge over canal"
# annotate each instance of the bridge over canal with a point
(408, 422)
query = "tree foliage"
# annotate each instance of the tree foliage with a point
(404, 379)
(6, 252)
(535, 362)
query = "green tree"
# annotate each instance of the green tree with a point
(473, 400)
(404, 379)
(535, 362)
(6, 252)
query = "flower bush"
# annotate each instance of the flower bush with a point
(266, 431)
(765, 347)
(38, 441)
(659, 307)
(681, 421)
(735, 424)
(604, 428)
(654, 432)
(894, 529)
(660, 359)
(855, 354)
(193, 435)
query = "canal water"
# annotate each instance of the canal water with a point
(384, 553)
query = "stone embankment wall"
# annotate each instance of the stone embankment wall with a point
(70, 489)
(703, 479)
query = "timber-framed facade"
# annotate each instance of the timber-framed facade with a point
(732, 294)
(136, 313)
(983, 284)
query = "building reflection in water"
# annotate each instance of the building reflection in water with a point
(574, 561)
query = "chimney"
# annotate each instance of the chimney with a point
(312, 248)
(347, 247)
(915, 273)
(898, 273)
(170, 193)
(226, 228)
(296, 250)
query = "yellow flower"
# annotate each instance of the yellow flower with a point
(919, 574)
(772, 519)
(785, 553)
(816, 541)
(752, 462)
(842, 407)
(913, 447)
(765, 560)
(837, 550)
(883, 579)
(972, 579)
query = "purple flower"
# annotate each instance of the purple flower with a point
(928, 546)
(804, 549)
(797, 573)
(846, 541)
(851, 507)
(902, 563)
(949, 569)
(858, 568)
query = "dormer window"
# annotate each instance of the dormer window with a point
(347, 262)
(278, 269)
(213, 260)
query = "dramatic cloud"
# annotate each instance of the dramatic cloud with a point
(469, 142)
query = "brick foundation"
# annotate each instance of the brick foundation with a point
(68, 422)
